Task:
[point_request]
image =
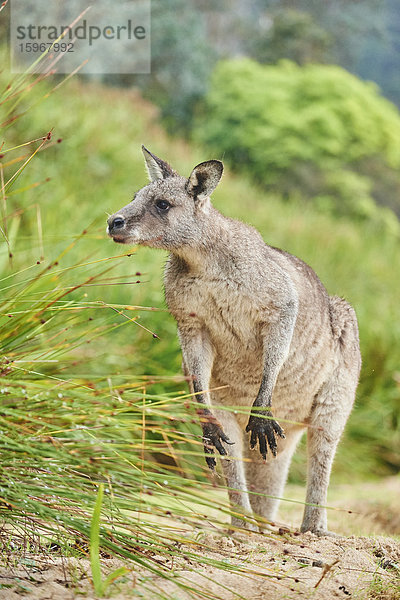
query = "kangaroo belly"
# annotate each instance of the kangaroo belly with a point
(237, 382)
(237, 330)
(238, 367)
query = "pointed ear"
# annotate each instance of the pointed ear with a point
(204, 179)
(156, 168)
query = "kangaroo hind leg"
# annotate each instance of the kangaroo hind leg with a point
(330, 411)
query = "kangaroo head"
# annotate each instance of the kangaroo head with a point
(171, 211)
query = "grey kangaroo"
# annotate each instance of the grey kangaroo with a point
(257, 329)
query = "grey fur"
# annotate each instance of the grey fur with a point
(257, 323)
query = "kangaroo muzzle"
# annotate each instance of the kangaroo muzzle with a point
(116, 227)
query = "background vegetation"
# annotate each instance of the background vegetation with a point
(356, 261)
(90, 378)
(314, 132)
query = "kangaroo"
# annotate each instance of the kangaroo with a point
(257, 330)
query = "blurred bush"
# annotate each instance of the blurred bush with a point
(292, 34)
(182, 57)
(310, 132)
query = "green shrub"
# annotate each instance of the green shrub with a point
(305, 131)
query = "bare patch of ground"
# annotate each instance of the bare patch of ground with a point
(274, 567)
(280, 565)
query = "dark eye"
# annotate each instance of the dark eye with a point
(163, 205)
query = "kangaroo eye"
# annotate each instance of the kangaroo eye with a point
(163, 205)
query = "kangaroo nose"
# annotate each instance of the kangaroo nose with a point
(116, 223)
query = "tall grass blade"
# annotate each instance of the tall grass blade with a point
(95, 544)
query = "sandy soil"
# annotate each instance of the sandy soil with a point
(279, 565)
(274, 566)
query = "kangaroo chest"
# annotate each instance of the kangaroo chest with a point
(223, 309)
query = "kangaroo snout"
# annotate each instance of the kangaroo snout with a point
(115, 226)
(115, 222)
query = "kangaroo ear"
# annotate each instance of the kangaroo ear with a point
(204, 179)
(156, 168)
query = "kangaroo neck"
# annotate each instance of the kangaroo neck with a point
(209, 251)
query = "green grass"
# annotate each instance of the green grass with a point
(100, 586)
(89, 396)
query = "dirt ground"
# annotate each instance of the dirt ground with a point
(277, 565)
